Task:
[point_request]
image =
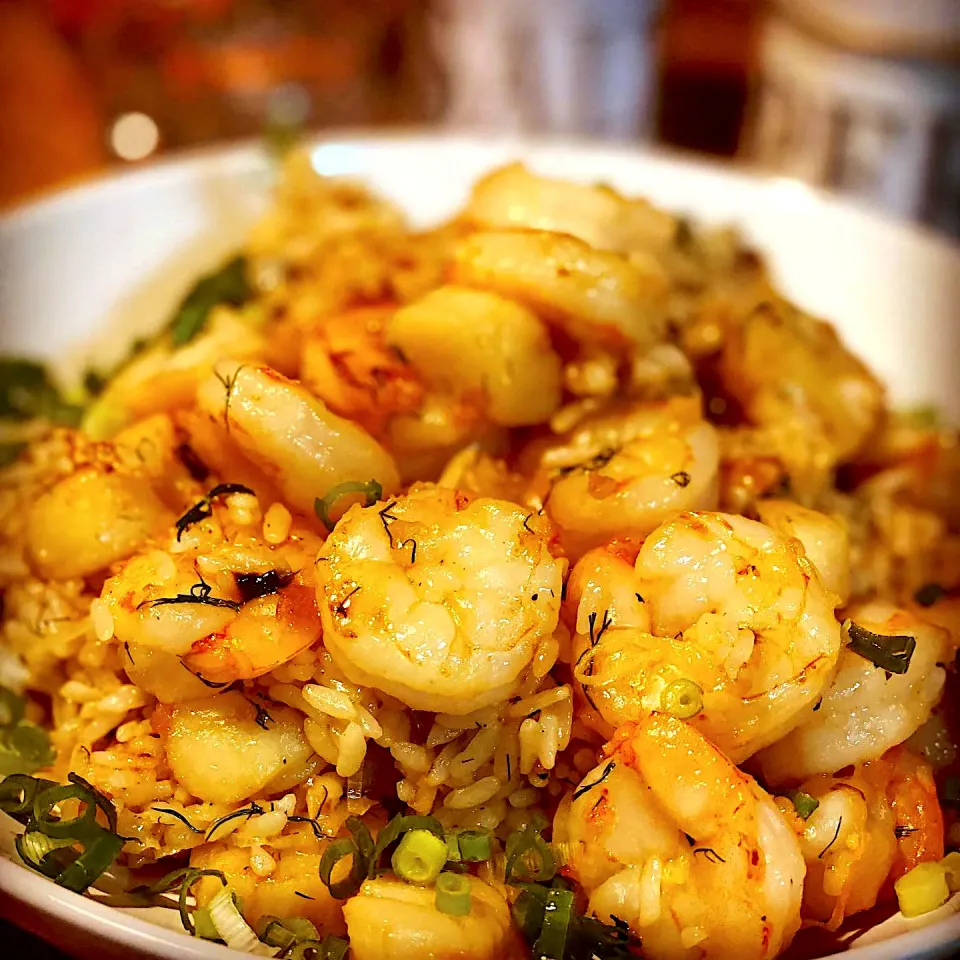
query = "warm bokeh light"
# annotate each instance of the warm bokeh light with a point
(134, 136)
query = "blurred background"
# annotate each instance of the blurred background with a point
(859, 95)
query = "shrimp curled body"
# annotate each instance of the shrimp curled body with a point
(727, 604)
(437, 600)
(669, 836)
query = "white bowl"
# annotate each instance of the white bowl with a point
(118, 253)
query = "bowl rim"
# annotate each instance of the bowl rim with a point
(247, 153)
(17, 882)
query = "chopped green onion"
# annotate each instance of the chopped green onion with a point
(286, 932)
(529, 857)
(34, 846)
(557, 914)
(323, 505)
(420, 857)
(189, 877)
(83, 825)
(27, 392)
(474, 845)
(17, 794)
(803, 803)
(97, 856)
(232, 928)
(890, 653)
(682, 699)
(453, 894)
(527, 910)
(362, 851)
(203, 925)
(226, 285)
(349, 885)
(396, 828)
(453, 848)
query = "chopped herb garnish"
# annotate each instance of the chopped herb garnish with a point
(342, 606)
(199, 593)
(586, 787)
(903, 831)
(681, 478)
(413, 551)
(804, 803)
(262, 718)
(890, 653)
(597, 461)
(371, 490)
(254, 810)
(179, 816)
(27, 392)
(227, 285)
(302, 895)
(836, 833)
(710, 854)
(204, 508)
(213, 684)
(254, 585)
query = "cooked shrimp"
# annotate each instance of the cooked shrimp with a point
(733, 609)
(668, 835)
(291, 435)
(348, 364)
(96, 514)
(464, 341)
(437, 600)
(512, 196)
(165, 377)
(592, 294)
(866, 710)
(623, 475)
(292, 889)
(825, 541)
(184, 608)
(218, 750)
(870, 826)
(391, 918)
(782, 365)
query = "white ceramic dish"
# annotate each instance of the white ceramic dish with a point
(118, 253)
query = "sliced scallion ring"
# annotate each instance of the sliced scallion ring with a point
(420, 857)
(682, 699)
(453, 893)
(474, 845)
(529, 857)
(323, 505)
(397, 828)
(557, 914)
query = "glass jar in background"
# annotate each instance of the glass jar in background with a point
(863, 97)
(565, 67)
